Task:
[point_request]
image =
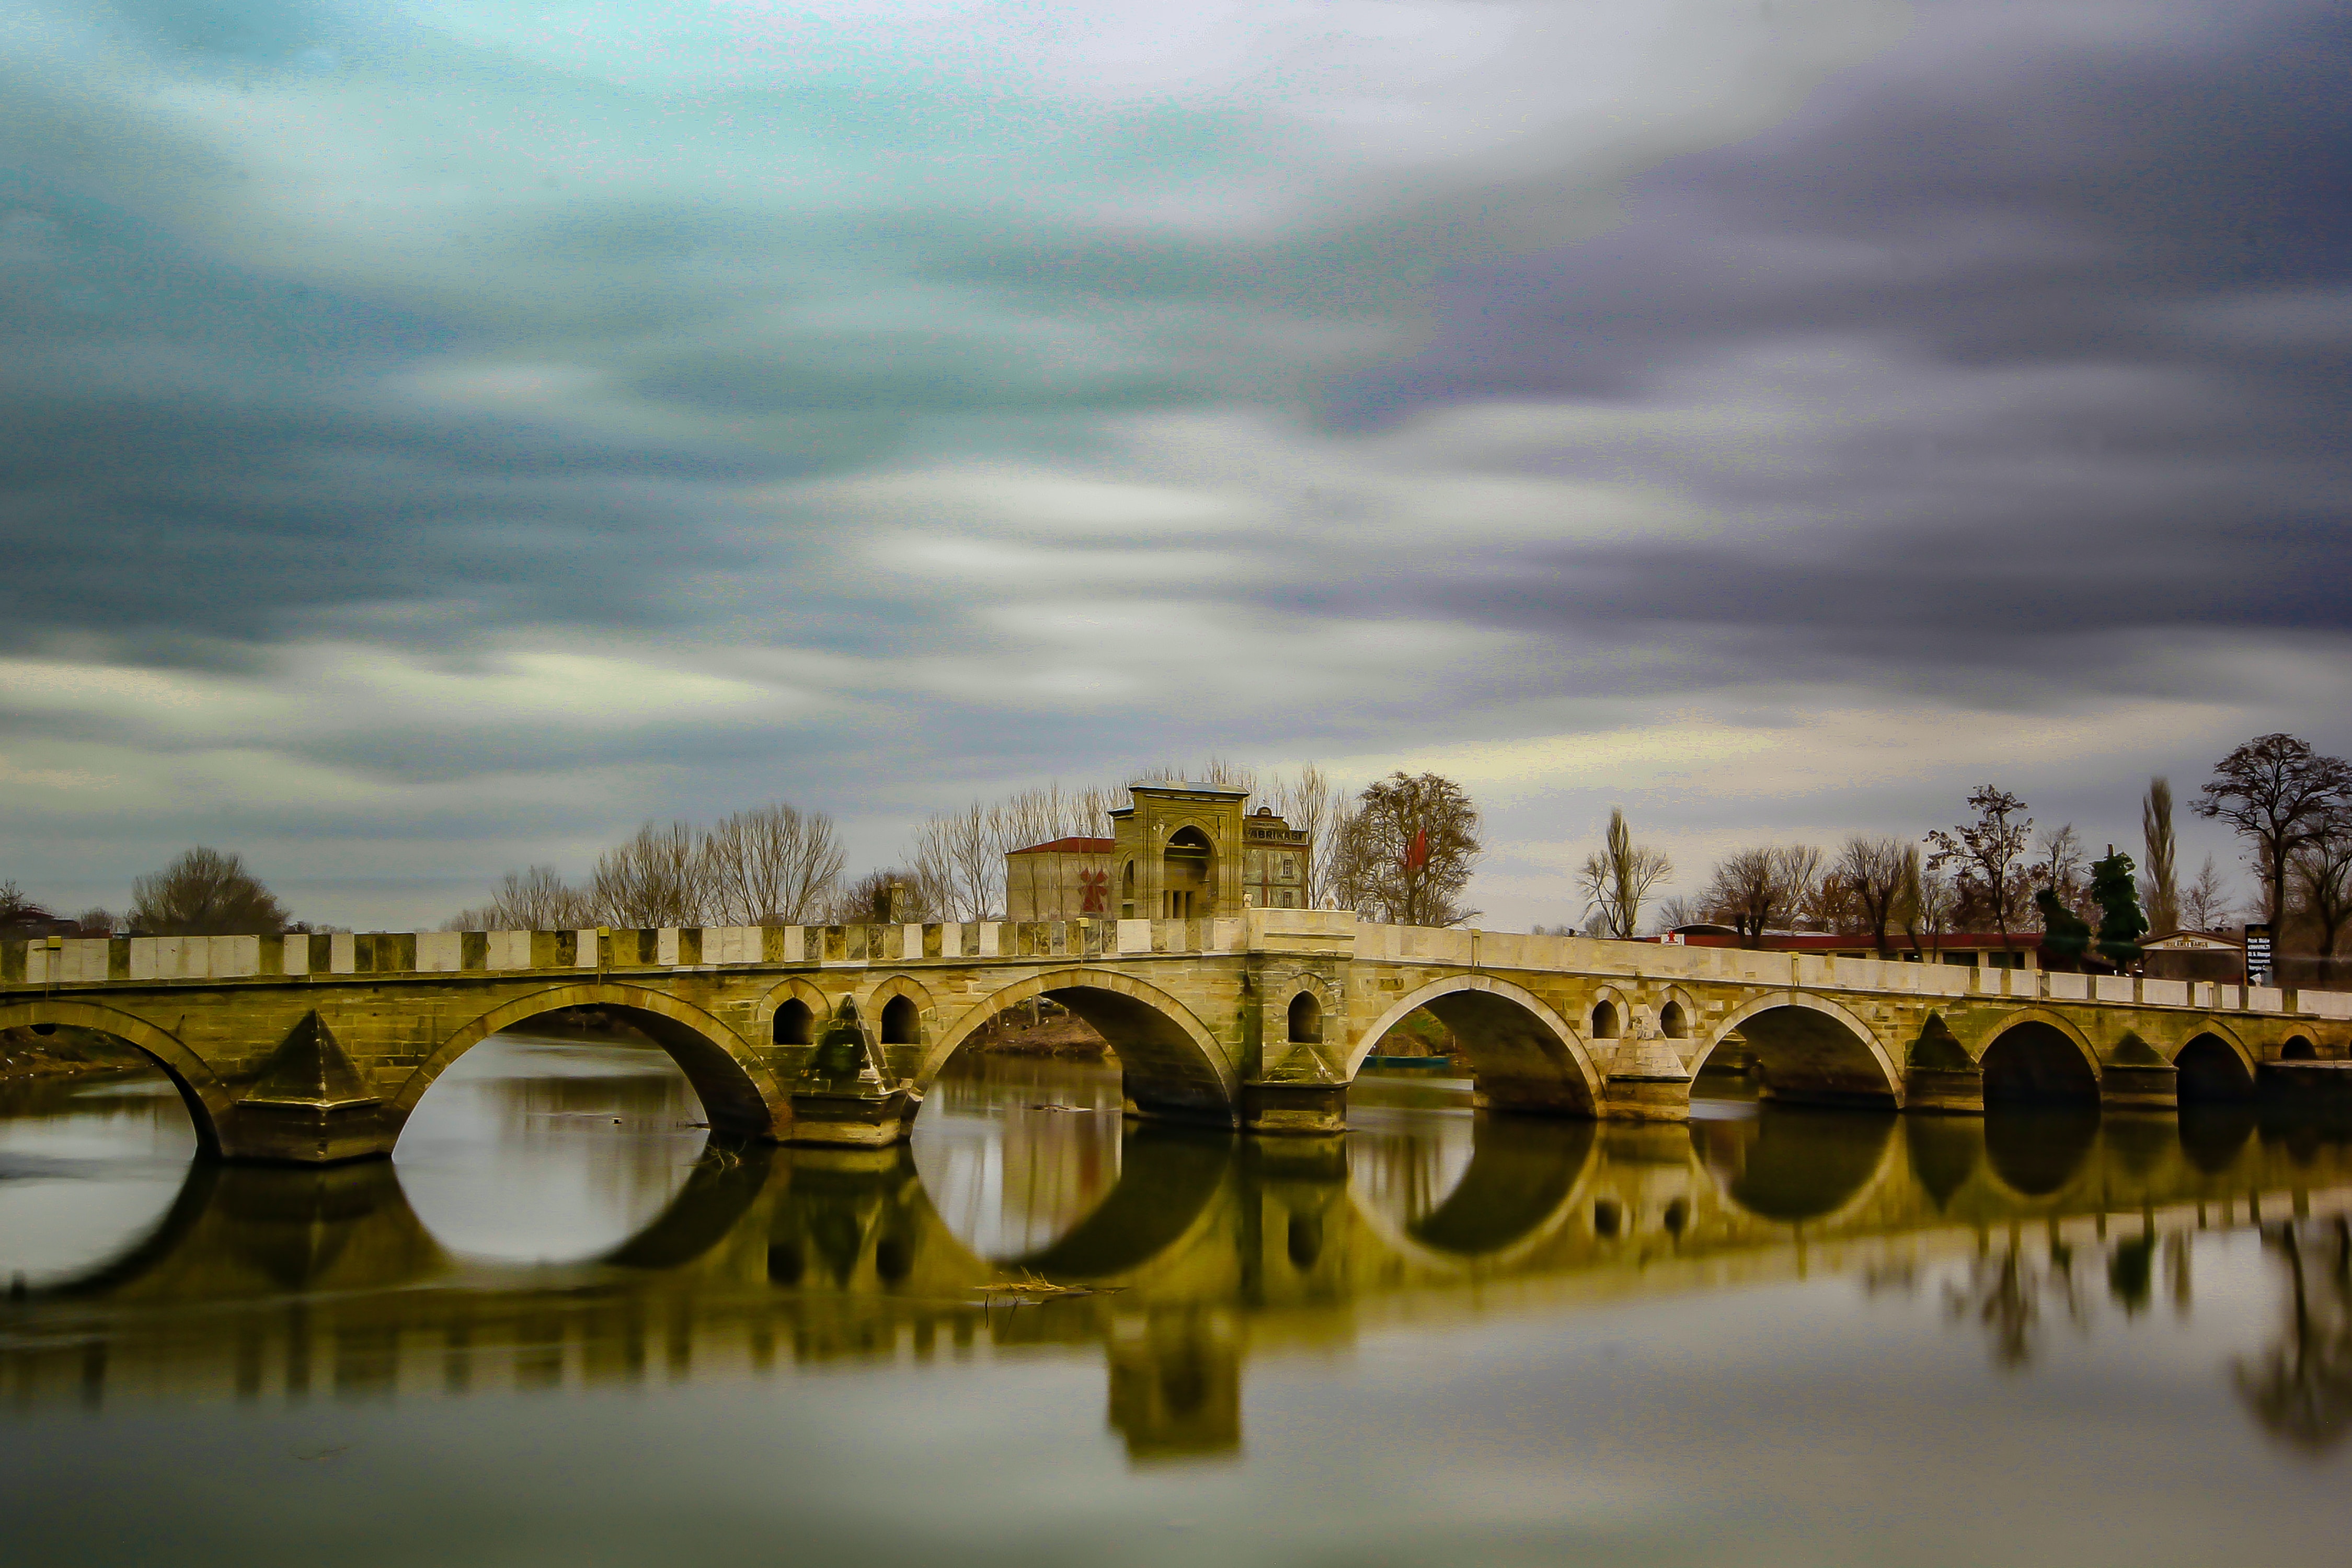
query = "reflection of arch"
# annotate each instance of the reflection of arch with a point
(2038, 1149)
(1520, 1051)
(239, 1231)
(2040, 1057)
(712, 1203)
(1517, 1189)
(2213, 1072)
(1810, 1049)
(209, 1102)
(1163, 1051)
(1166, 1177)
(1795, 1163)
(738, 1093)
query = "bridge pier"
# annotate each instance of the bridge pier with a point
(1293, 1109)
(1945, 1091)
(1646, 1081)
(309, 1106)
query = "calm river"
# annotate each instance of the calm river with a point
(560, 1328)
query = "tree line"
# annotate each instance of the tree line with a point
(1994, 875)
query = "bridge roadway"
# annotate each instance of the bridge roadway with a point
(315, 1048)
(292, 1285)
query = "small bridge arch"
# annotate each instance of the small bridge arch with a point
(1812, 1051)
(738, 1093)
(1521, 1052)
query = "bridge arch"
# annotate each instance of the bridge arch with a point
(2037, 1056)
(1522, 1053)
(1810, 1050)
(2215, 1067)
(738, 1092)
(1170, 1062)
(208, 1101)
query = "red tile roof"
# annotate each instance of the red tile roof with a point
(1068, 847)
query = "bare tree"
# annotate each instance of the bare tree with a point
(2277, 792)
(1986, 851)
(2160, 881)
(1675, 912)
(2058, 867)
(1409, 848)
(658, 878)
(884, 897)
(1617, 878)
(773, 865)
(1314, 805)
(2323, 887)
(204, 893)
(1873, 872)
(2205, 904)
(534, 899)
(1754, 890)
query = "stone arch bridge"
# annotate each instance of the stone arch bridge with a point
(316, 1048)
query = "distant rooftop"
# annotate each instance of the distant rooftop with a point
(1072, 846)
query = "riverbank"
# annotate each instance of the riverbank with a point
(27, 1056)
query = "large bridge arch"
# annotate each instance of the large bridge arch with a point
(1810, 1050)
(2037, 1056)
(208, 1101)
(1522, 1052)
(738, 1093)
(2214, 1065)
(1170, 1062)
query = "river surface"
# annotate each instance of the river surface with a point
(562, 1327)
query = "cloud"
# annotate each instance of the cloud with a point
(478, 430)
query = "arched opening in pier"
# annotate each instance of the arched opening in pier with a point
(1798, 1053)
(98, 1136)
(2037, 1063)
(2298, 1048)
(1306, 1020)
(902, 1021)
(794, 1023)
(2211, 1072)
(559, 1127)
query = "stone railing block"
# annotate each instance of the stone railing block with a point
(2164, 993)
(440, 952)
(2067, 988)
(2327, 1004)
(2111, 988)
(2265, 999)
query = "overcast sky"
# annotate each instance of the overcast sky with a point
(440, 434)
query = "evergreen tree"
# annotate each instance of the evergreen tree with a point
(2121, 924)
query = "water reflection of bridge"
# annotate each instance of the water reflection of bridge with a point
(292, 1285)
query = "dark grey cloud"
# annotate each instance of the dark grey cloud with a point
(2060, 437)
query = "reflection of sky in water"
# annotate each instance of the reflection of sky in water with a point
(533, 1148)
(1401, 1163)
(85, 1169)
(1006, 1177)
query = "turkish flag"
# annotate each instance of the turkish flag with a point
(1418, 855)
